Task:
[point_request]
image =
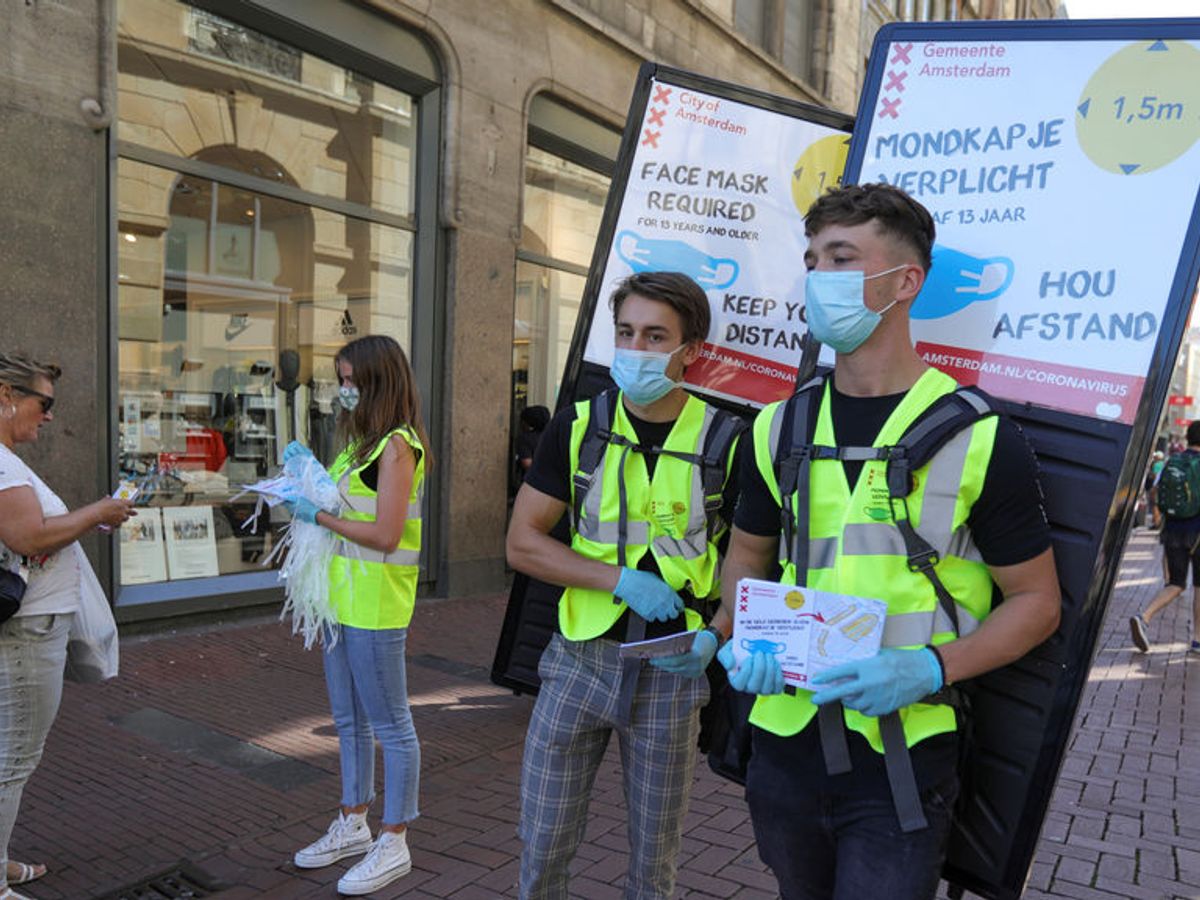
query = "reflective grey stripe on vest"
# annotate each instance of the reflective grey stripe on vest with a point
(609, 532)
(916, 628)
(942, 482)
(822, 552)
(357, 552)
(962, 545)
(944, 478)
(692, 545)
(369, 506)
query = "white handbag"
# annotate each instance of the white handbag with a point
(93, 651)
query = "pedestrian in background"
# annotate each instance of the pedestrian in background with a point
(1178, 501)
(1157, 461)
(38, 535)
(533, 422)
(372, 587)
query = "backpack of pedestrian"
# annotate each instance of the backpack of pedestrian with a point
(1179, 486)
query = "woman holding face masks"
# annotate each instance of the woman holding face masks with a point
(373, 578)
(38, 536)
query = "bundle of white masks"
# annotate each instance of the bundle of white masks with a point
(305, 548)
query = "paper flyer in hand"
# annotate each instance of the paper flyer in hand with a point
(808, 630)
(656, 648)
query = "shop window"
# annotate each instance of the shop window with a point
(568, 166)
(265, 215)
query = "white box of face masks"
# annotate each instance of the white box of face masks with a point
(808, 630)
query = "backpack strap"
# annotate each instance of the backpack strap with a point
(792, 474)
(591, 449)
(947, 416)
(722, 432)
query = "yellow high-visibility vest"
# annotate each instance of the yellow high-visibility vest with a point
(855, 547)
(665, 516)
(369, 589)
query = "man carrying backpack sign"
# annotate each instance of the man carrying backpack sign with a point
(1179, 502)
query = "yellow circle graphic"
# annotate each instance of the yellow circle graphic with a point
(818, 168)
(794, 599)
(1141, 109)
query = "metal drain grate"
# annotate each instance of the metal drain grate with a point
(182, 881)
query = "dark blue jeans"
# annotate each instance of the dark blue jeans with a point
(828, 839)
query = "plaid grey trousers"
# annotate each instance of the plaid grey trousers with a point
(575, 714)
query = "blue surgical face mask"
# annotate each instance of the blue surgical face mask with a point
(348, 397)
(834, 308)
(642, 374)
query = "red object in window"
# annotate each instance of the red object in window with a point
(205, 449)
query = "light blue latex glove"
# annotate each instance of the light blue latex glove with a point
(295, 449)
(883, 683)
(693, 663)
(303, 509)
(759, 674)
(648, 595)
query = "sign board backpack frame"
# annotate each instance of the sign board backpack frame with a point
(737, 229)
(1061, 163)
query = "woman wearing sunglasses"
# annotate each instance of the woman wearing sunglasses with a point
(37, 535)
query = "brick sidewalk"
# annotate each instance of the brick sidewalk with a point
(216, 747)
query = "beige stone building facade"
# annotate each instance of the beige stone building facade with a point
(204, 200)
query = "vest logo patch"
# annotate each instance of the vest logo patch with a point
(667, 515)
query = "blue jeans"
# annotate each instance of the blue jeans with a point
(368, 692)
(834, 843)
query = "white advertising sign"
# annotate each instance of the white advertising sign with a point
(718, 190)
(1062, 179)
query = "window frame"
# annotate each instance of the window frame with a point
(364, 41)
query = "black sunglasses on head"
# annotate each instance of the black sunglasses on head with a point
(47, 400)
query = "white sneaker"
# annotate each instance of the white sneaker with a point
(387, 861)
(347, 836)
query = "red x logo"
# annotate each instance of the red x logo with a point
(742, 607)
(895, 80)
(655, 117)
(889, 108)
(902, 51)
(663, 94)
(745, 590)
(651, 138)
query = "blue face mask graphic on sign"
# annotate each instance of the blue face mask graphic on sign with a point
(762, 645)
(957, 280)
(647, 255)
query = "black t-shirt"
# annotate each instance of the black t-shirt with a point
(1007, 523)
(551, 474)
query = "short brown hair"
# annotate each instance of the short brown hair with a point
(894, 213)
(678, 291)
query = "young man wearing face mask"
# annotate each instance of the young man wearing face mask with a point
(644, 524)
(851, 785)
